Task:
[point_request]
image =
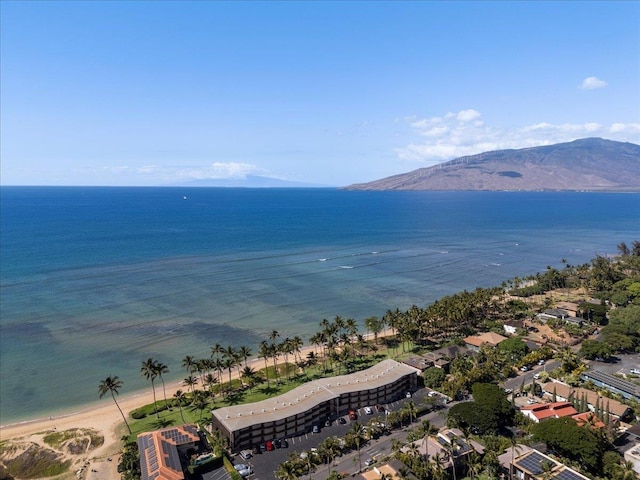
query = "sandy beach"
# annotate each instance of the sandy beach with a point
(101, 463)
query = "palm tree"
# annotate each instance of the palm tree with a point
(160, 369)
(265, 353)
(250, 374)
(189, 363)
(180, 399)
(547, 470)
(149, 371)
(200, 401)
(112, 384)
(229, 363)
(410, 408)
(626, 472)
(210, 380)
(244, 353)
(356, 438)
(190, 382)
(286, 471)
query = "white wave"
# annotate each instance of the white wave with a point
(322, 259)
(346, 266)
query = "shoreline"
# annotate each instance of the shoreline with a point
(104, 416)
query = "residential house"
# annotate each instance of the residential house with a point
(525, 463)
(474, 342)
(416, 361)
(542, 411)
(166, 454)
(553, 314)
(443, 444)
(393, 469)
(563, 392)
(512, 326)
(571, 308)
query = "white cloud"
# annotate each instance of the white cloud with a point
(173, 173)
(219, 170)
(591, 83)
(452, 135)
(468, 115)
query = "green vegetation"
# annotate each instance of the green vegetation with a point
(36, 462)
(339, 349)
(583, 445)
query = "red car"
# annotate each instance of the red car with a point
(352, 415)
(269, 445)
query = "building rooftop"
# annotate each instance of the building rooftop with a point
(306, 396)
(615, 382)
(542, 411)
(159, 459)
(490, 338)
(567, 392)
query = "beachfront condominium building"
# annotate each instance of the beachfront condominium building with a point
(297, 411)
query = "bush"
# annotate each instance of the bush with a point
(150, 409)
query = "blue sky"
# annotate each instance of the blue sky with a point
(157, 93)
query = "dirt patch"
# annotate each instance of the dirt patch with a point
(48, 454)
(35, 461)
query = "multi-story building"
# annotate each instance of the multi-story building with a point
(312, 403)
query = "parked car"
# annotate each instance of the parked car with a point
(269, 445)
(635, 371)
(263, 447)
(524, 368)
(541, 362)
(352, 415)
(368, 410)
(241, 466)
(277, 443)
(536, 376)
(408, 395)
(369, 462)
(285, 443)
(246, 472)
(316, 429)
(342, 421)
(246, 454)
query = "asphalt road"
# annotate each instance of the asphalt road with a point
(516, 382)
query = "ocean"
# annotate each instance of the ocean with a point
(94, 280)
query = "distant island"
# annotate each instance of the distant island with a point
(248, 181)
(592, 164)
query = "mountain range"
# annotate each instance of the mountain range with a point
(593, 164)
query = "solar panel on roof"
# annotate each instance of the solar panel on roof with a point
(532, 462)
(567, 474)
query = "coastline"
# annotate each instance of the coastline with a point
(105, 418)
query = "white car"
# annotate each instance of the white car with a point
(242, 466)
(635, 371)
(536, 376)
(246, 472)
(368, 410)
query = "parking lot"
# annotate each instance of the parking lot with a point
(265, 464)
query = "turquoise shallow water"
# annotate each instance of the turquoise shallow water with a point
(95, 280)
